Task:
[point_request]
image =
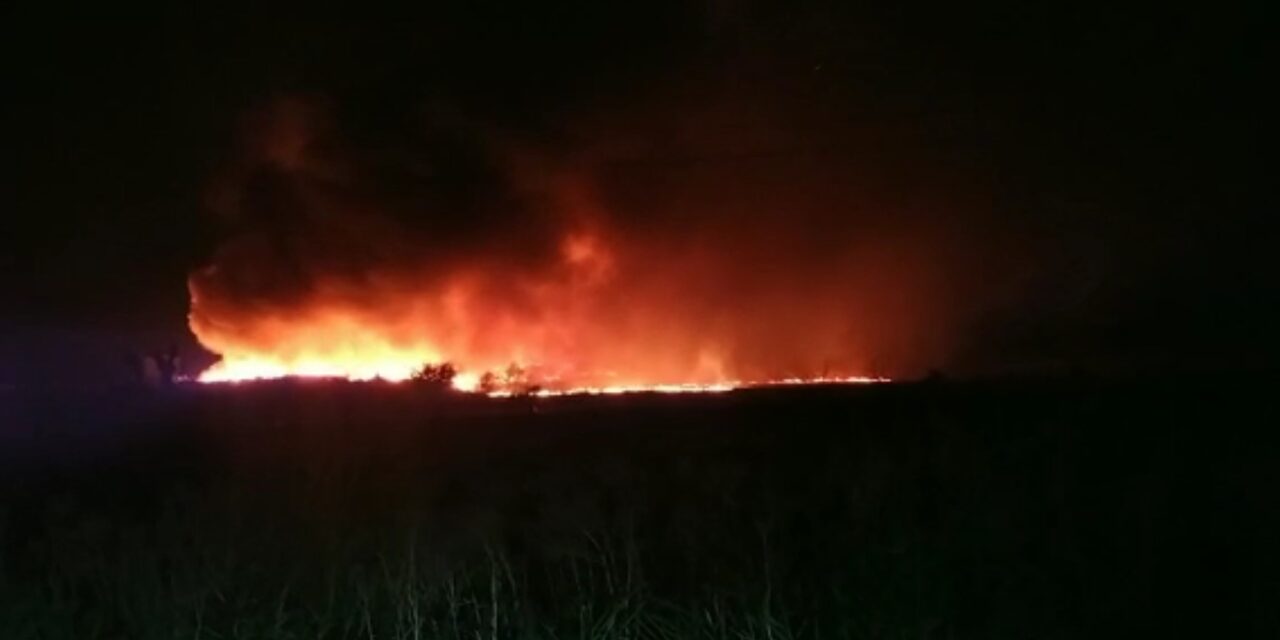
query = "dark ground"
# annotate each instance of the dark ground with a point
(1051, 509)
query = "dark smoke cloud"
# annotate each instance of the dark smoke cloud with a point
(798, 190)
(767, 232)
(969, 186)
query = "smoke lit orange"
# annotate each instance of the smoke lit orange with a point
(551, 274)
(556, 329)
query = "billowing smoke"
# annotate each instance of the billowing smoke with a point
(674, 239)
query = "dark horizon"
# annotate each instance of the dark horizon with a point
(569, 303)
(1022, 189)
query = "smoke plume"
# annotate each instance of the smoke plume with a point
(680, 238)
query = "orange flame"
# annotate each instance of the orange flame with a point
(565, 333)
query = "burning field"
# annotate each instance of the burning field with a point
(726, 320)
(551, 272)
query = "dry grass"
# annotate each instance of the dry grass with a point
(364, 512)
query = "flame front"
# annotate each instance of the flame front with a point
(563, 329)
(547, 274)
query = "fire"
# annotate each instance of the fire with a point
(470, 382)
(718, 387)
(544, 278)
(318, 345)
(550, 333)
(321, 348)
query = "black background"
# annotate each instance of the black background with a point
(1131, 134)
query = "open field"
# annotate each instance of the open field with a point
(1049, 509)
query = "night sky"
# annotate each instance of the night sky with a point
(1107, 160)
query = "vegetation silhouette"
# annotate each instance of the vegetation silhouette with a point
(331, 509)
(435, 376)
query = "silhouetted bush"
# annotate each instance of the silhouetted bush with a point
(436, 375)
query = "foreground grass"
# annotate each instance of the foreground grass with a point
(163, 594)
(197, 576)
(360, 512)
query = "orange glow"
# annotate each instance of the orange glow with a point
(718, 387)
(562, 329)
(568, 272)
(593, 270)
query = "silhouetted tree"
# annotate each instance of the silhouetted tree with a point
(435, 375)
(489, 382)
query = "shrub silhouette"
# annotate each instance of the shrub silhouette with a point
(435, 375)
